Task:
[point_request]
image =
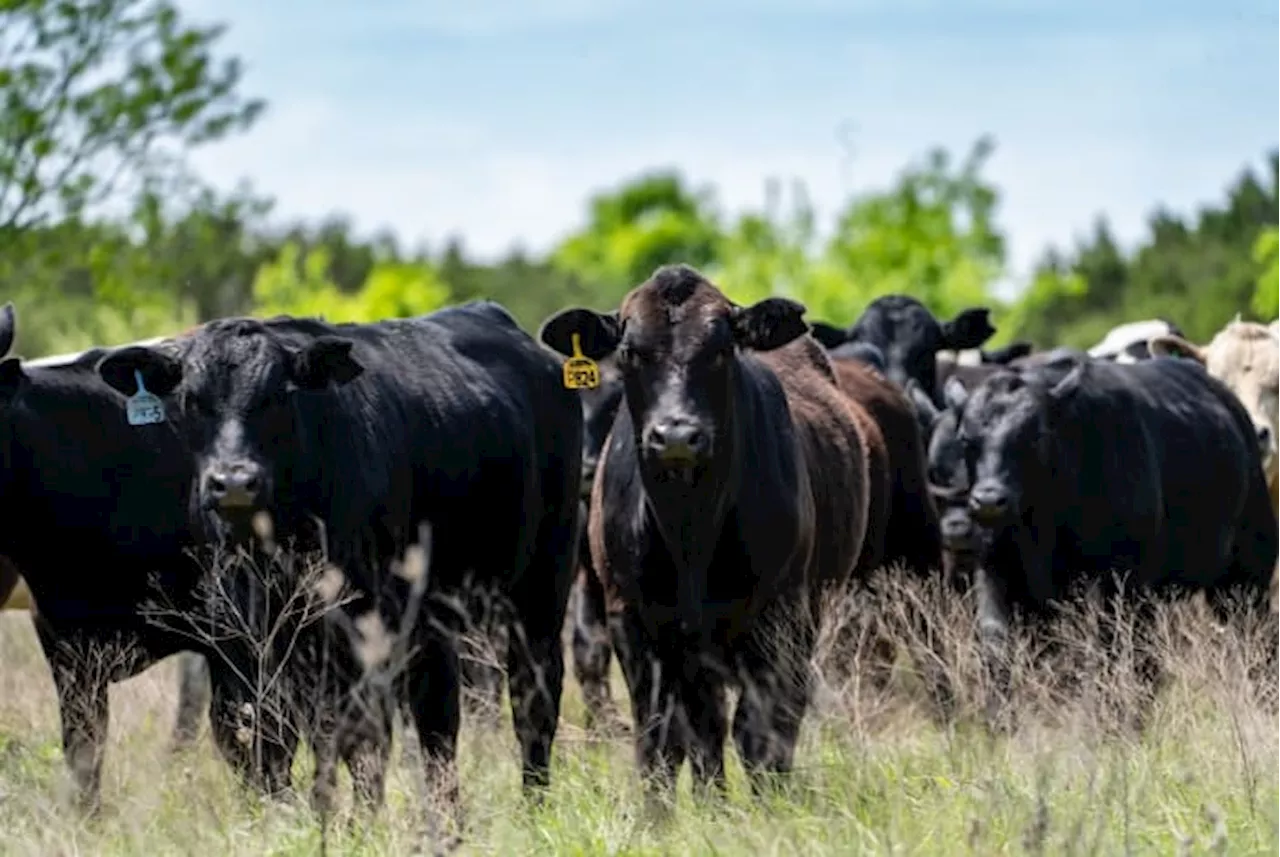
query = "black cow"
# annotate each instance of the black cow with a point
(732, 488)
(591, 647)
(95, 519)
(909, 337)
(1149, 468)
(457, 418)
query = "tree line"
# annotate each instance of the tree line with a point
(106, 235)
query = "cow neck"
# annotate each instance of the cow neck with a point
(690, 517)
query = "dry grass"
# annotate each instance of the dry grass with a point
(876, 775)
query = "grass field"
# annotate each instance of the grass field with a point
(875, 776)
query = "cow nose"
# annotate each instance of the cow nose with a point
(675, 440)
(235, 485)
(1264, 439)
(988, 500)
(956, 527)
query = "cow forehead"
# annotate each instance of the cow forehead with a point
(674, 317)
(238, 363)
(908, 323)
(1244, 351)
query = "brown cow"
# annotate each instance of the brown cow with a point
(910, 531)
(731, 490)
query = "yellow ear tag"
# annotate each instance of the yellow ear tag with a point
(580, 373)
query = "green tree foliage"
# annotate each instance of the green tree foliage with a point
(649, 221)
(1266, 252)
(298, 283)
(1197, 271)
(90, 89)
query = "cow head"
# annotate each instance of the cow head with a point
(1003, 432)
(910, 337)
(674, 339)
(1009, 353)
(234, 387)
(1243, 355)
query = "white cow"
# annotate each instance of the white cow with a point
(1127, 343)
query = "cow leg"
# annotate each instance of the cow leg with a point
(431, 686)
(659, 746)
(481, 675)
(365, 748)
(258, 742)
(194, 695)
(535, 654)
(536, 679)
(84, 710)
(707, 727)
(776, 688)
(993, 643)
(592, 651)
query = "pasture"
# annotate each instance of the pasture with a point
(874, 775)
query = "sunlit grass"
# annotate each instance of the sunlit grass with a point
(875, 776)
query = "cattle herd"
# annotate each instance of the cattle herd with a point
(681, 478)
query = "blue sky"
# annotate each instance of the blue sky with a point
(496, 119)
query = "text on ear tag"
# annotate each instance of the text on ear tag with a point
(580, 373)
(143, 408)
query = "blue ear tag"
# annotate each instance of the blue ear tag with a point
(143, 408)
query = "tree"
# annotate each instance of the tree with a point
(298, 283)
(932, 236)
(649, 221)
(92, 91)
(1266, 252)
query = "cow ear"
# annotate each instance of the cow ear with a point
(598, 333)
(120, 369)
(326, 359)
(769, 324)
(8, 325)
(828, 334)
(1174, 346)
(1070, 384)
(12, 379)
(969, 329)
(954, 393)
(1008, 354)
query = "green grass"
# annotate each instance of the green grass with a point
(875, 776)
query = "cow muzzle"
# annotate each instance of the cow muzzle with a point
(989, 502)
(677, 443)
(957, 531)
(234, 486)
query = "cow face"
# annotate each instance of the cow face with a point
(1243, 355)
(674, 340)
(234, 388)
(599, 407)
(948, 475)
(1000, 435)
(910, 337)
